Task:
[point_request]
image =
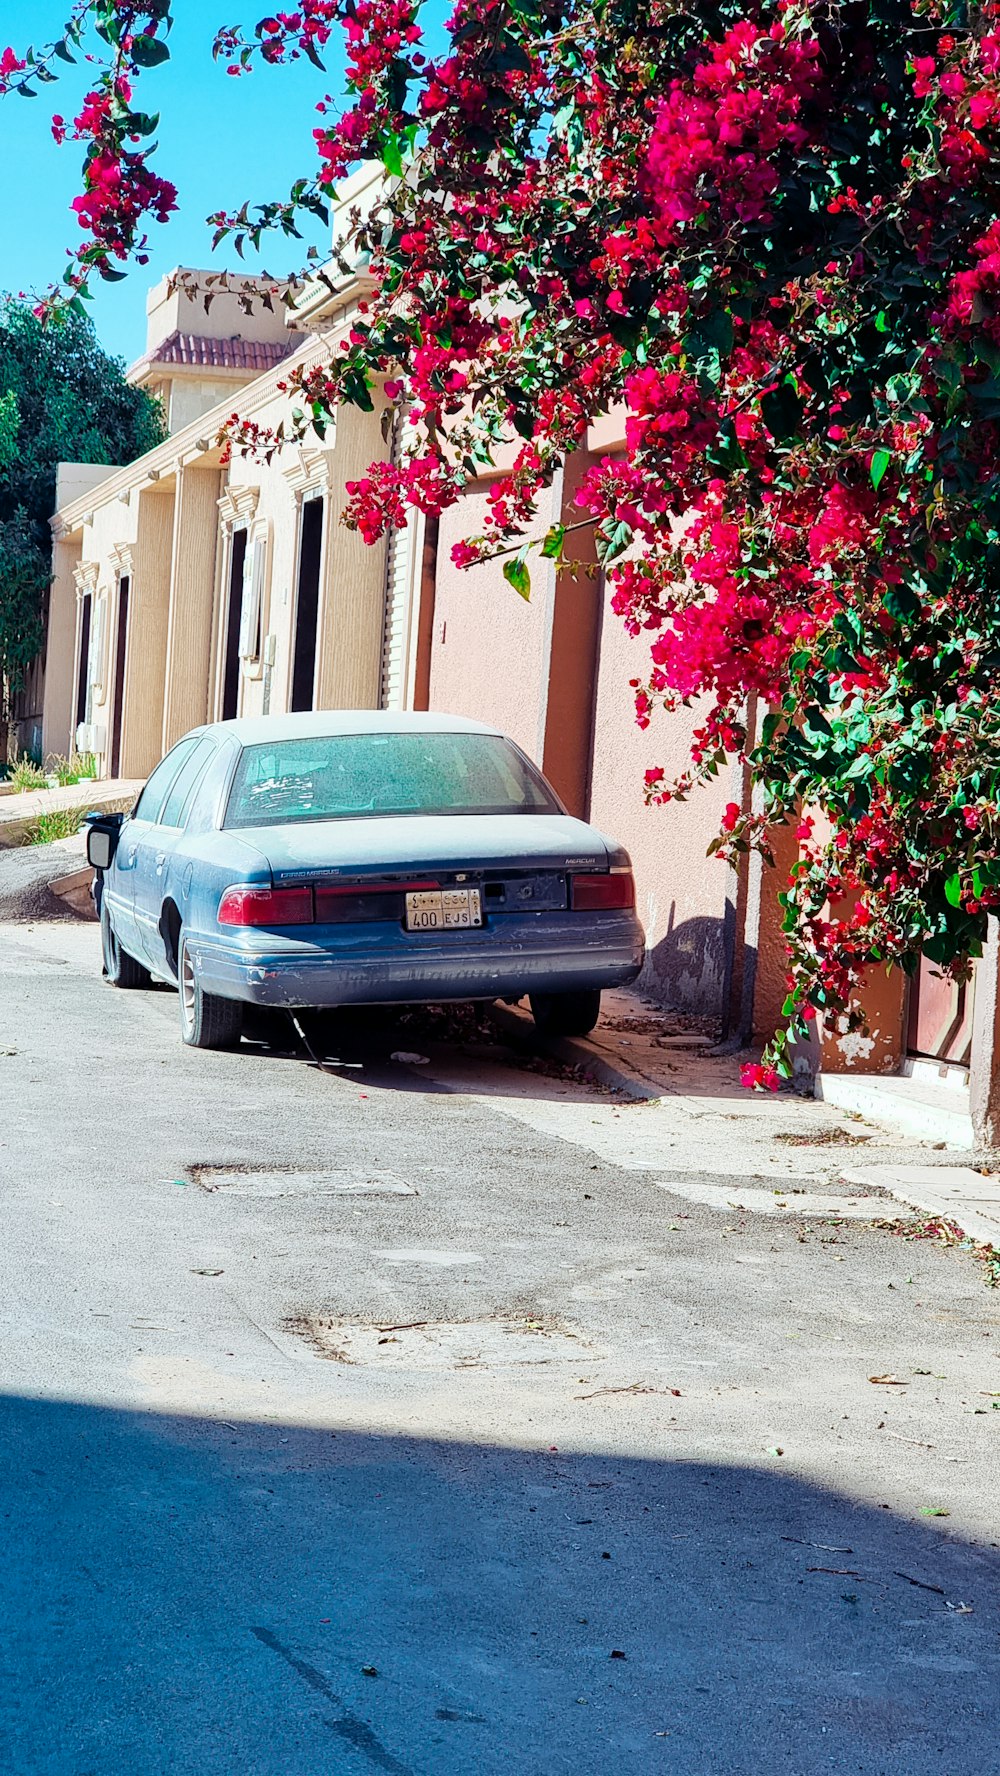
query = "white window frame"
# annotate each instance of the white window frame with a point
(254, 597)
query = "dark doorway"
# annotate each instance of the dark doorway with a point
(234, 613)
(307, 606)
(83, 669)
(121, 649)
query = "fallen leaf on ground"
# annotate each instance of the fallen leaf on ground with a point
(369, 1670)
(208, 1273)
(887, 1381)
(934, 1511)
(408, 1059)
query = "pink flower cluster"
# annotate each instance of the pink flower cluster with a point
(381, 499)
(974, 297)
(721, 135)
(381, 34)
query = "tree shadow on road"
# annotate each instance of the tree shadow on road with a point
(256, 1599)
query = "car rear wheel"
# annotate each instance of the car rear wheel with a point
(206, 1020)
(565, 1014)
(121, 969)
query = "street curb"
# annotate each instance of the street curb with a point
(13, 832)
(77, 891)
(575, 1051)
(958, 1194)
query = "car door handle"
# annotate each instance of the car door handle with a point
(161, 858)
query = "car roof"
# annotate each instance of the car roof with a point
(316, 724)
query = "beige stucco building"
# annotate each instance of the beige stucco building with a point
(187, 589)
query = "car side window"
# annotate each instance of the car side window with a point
(200, 813)
(153, 796)
(186, 780)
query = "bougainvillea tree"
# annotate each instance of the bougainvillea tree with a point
(770, 233)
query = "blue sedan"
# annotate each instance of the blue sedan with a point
(358, 858)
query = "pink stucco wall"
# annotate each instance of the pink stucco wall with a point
(681, 892)
(490, 660)
(488, 657)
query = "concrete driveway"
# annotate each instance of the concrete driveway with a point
(426, 1419)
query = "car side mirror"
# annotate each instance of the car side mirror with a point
(100, 848)
(103, 832)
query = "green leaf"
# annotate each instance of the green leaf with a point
(516, 574)
(392, 156)
(880, 462)
(149, 52)
(781, 410)
(613, 541)
(902, 603)
(552, 547)
(953, 890)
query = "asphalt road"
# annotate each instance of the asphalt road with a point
(400, 1419)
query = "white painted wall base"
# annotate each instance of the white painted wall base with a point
(930, 1111)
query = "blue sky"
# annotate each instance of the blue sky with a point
(221, 140)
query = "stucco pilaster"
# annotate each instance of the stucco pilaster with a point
(61, 649)
(193, 564)
(148, 566)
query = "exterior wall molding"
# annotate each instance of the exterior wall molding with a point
(238, 507)
(196, 437)
(121, 556)
(310, 473)
(86, 575)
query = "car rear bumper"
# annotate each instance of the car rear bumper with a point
(540, 953)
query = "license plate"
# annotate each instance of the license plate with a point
(443, 909)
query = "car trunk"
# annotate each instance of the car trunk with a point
(400, 845)
(519, 862)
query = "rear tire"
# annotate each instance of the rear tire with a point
(207, 1021)
(121, 969)
(565, 1014)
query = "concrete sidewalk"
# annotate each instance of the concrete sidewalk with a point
(18, 811)
(667, 1059)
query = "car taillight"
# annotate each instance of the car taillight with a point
(266, 906)
(599, 894)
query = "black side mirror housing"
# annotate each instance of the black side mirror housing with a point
(103, 833)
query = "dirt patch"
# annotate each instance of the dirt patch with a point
(277, 1181)
(499, 1343)
(821, 1137)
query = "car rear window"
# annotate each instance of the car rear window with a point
(351, 776)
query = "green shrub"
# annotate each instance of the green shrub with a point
(71, 770)
(25, 773)
(62, 769)
(60, 823)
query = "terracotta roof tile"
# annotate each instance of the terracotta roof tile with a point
(253, 355)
